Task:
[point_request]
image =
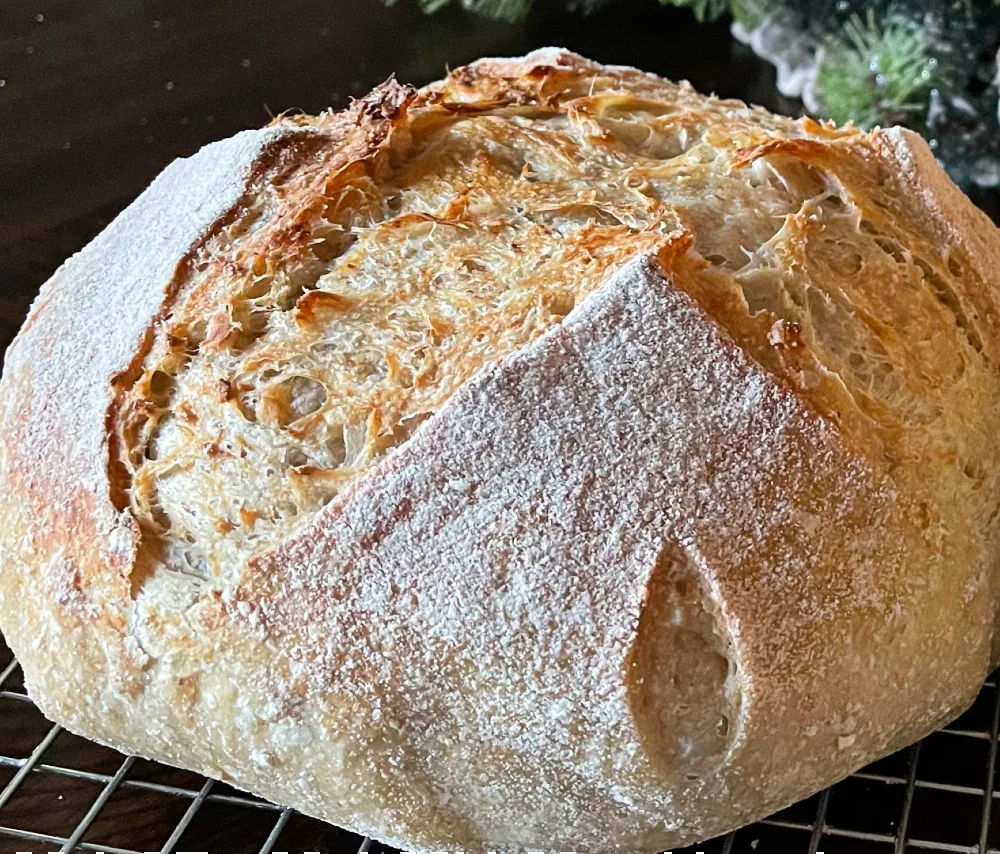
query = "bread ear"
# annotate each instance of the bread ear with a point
(67, 545)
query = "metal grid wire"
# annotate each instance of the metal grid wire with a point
(62, 793)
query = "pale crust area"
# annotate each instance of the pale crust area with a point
(551, 458)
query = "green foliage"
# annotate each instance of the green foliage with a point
(878, 72)
(704, 10)
(751, 13)
(499, 10)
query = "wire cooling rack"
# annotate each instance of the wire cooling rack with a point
(63, 793)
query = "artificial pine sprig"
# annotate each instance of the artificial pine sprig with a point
(498, 10)
(704, 10)
(878, 72)
(750, 14)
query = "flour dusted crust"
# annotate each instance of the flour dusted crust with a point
(550, 458)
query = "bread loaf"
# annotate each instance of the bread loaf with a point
(552, 458)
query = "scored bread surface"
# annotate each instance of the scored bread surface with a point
(552, 457)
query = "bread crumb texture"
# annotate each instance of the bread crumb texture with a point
(441, 230)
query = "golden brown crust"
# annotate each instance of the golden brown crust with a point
(389, 488)
(58, 391)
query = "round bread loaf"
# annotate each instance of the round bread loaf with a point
(549, 458)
